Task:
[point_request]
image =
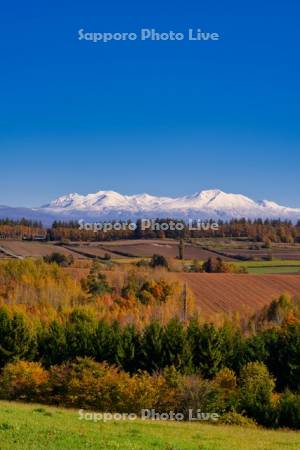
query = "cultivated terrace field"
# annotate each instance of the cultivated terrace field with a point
(215, 293)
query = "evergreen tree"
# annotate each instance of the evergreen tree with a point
(284, 357)
(80, 329)
(152, 357)
(206, 345)
(16, 339)
(233, 347)
(96, 283)
(176, 347)
(52, 344)
(106, 341)
(129, 349)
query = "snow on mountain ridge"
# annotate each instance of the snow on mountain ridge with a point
(109, 205)
(212, 203)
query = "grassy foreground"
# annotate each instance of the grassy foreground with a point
(29, 426)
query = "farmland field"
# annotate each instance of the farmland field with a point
(243, 248)
(116, 249)
(202, 250)
(32, 249)
(146, 248)
(275, 253)
(217, 293)
(30, 427)
(228, 250)
(213, 293)
(90, 251)
(274, 266)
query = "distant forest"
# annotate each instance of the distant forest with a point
(267, 231)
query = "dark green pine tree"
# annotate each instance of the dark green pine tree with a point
(52, 344)
(106, 341)
(17, 341)
(80, 330)
(284, 357)
(233, 347)
(129, 349)
(206, 345)
(152, 357)
(176, 348)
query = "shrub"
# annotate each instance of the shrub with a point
(226, 384)
(85, 383)
(170, 390)
(96, 282)
(196, 393)
(159, 261)
(217, 265)
(143, 391)
(60, 259)
(196, 266)
(23, 380)
(256, 388)
(225, 379)
(234, 418)
(289, 410)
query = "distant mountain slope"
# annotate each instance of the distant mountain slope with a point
(108, 205)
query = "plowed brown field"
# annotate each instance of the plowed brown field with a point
(225, 293)
(33, 249)
(147, 248)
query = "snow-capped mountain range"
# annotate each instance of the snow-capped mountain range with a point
(109, 205)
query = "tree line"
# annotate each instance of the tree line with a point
(255, 230)
(191, 347)
(88, 364)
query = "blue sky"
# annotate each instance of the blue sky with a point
(168, 118)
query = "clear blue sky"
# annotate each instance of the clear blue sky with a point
(168, 118)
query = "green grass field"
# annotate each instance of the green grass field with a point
(28, 426)
(274, 266)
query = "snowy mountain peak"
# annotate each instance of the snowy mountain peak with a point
(209, 193)
(206, 204)
(109, 205)
(65, 201)
(269, 204)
